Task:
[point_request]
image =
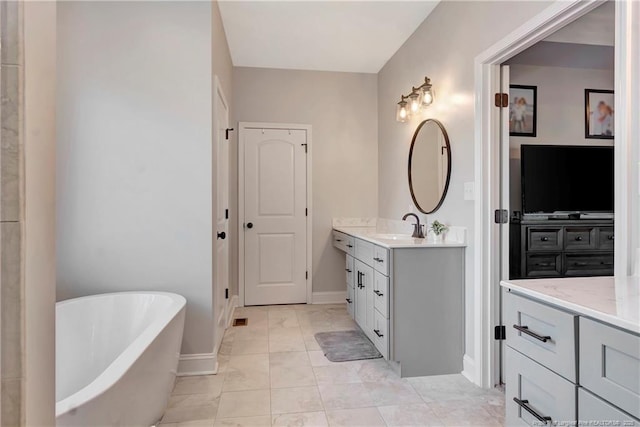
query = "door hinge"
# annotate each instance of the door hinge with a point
(501, 216)
(500, 333)
(226, 214)
(502, 100)
(305, 147)
(226, 293)
(306, 274)
(306, 211)
(226, 133)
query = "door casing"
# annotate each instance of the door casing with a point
(242, 127)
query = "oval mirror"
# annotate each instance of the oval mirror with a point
(429, 166)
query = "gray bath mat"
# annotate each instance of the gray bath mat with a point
(343, 346)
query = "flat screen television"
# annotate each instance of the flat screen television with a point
(566, 179)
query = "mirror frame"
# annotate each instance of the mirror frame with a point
(446, 185)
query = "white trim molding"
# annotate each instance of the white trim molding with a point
(487, 179)
(198, 364)
(468, 368)
(336, 297)
(231, 309)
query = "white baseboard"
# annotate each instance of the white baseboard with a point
(197, 364)
(337, 297)
(231, 304)
(469, 369)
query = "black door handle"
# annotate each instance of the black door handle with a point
(249, 225)
(222, 235)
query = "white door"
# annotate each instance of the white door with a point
(275, 221)
(221, 226)
(504, 204)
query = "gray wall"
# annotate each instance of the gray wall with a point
(444, 48)
(134, 151)
(560, 111)
(342, 108)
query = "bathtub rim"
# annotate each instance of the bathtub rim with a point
(125, 360)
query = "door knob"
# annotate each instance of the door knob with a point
(249, 225)
(222, 235)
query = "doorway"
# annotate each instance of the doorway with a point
(274, 213)
(491, 229)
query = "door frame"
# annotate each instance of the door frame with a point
(484, 369)
(242, 128)
(219, 91)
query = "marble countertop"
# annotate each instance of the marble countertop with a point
(402, 241)
(615, 301)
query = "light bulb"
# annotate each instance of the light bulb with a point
(402, 113)
(427, 97)
(415, 102)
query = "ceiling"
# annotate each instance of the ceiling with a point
(351, 36)
(568, 55)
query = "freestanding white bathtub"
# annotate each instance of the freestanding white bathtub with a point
(116, 357)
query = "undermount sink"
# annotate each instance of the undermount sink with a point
(391, 236)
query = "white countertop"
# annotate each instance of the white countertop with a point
(615, 301)
(403, 242)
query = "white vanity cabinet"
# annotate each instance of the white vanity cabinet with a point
(566, 368)
(409, 301)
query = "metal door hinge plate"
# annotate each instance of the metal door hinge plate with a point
(500, 333)
(502, 100)
(501, 216)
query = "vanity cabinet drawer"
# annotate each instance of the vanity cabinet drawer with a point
(588, 264)
(596, 412)
(351, 301)
(579, 238)
(350, 271)
(381, 294)
(545, 334)
(381, 333)
(344, 242)
(535, 396)
(606, 238)
(364, 251)
(544, 238)
(610, 364)
(543, 265)
(381, 260)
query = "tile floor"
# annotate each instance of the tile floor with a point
(272, 373)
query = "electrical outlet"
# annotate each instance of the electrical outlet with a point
(469, 191)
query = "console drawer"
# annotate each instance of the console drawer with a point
(381, 260)
(544, 238)
(588, 264)
(544, 393)
(580, 238)
(543, 265)
(610, 364)
(340, 240)
(606, 238)
(542, 333)
(596, 412)
(364, 252)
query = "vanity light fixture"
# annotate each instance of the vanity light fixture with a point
(420, 97)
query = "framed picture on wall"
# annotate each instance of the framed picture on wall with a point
(523, 102)
(599, 114)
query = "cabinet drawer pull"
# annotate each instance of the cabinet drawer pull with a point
(544, 239)
(524, 404)
(376, 259)
(338, 240)
(348, 300)
(578, 238)
(349, 246)
(377, 292)
(348, 270)
(580, 264)
(359, 279)
(525, 330)
(377, 332)
(610, 237)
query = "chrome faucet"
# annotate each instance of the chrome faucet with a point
(418, 229)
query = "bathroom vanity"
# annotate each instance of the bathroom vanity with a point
(407, 295)
(573, 351)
